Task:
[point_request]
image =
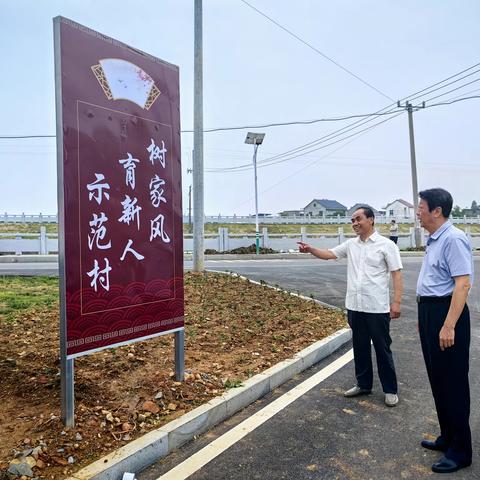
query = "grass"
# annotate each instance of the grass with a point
(233, 383)
(27, 227)
(19, 294)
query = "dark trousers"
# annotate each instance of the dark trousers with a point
(448, 376)
(394, 239)
(374, 327)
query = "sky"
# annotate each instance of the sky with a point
(256, 73)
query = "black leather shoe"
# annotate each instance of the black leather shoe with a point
(438, 447)
(447, 465)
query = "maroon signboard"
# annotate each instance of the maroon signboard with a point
(121, 241)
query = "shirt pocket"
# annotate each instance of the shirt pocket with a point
(375, 263)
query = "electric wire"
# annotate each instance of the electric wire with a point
(350, 127)
(249, 166)
(380, 112)
(316, 161)
(446, 85)
(243, 127)
(450, 91)
(347, 128)
(309, 45)
(314, 150)
(295, 122)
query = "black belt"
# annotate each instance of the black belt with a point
(446, 299)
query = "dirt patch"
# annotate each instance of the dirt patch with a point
(233, 330)
(251, 249)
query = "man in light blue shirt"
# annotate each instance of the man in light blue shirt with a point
(444, 327)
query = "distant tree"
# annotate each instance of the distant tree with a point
(475, 208)
(457, 211)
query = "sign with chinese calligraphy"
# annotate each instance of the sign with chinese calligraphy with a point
(121, 240)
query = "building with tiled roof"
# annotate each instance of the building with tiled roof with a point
(324, 208)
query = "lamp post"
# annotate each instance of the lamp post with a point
(255, 139)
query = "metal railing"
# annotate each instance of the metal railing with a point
(250, 219)
(45, 243)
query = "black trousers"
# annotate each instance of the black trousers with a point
(448, 376)
(394, 239)
(374, 327)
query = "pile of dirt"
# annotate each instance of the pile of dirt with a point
(233, 330)
(241, 250)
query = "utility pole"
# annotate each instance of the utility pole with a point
(255, 139)
(198, 197)
(413, 162)
(190, 209)
(190, 170)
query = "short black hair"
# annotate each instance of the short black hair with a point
(392, 221)
(367, 211)
(438, 197)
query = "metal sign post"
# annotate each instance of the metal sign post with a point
(66, 365)
(180, 355)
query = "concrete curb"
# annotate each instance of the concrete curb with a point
(268, 256)
(28, 258)
(144, 451)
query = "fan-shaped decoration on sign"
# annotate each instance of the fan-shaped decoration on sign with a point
(120, 79)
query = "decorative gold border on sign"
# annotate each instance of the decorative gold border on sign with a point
(102, 80)
(154, 93)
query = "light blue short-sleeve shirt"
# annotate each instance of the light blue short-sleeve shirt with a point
(448, 254)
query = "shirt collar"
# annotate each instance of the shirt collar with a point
(373, 237)
(437, 233)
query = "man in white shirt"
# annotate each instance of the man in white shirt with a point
(372, 258)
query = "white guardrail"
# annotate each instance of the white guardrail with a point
(250, 219)
(44, 243)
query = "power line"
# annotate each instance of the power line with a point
(444, 80)
(245, 167)
(466, 93)
(296, 122)
(446, 85)
(309, 45)
(361, 117)
(453, 100)
(317, 160)
(361, 122)
(241, 127)
(26, 136)
(453, 90)
(295, 153)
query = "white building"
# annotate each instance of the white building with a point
(399, 209)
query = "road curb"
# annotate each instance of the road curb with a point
(154, 445)
(29, 258)
(268, 256)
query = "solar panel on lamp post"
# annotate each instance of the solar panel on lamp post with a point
(255, 139)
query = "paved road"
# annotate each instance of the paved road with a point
(326, 280)
(26, 269)
(322, 435)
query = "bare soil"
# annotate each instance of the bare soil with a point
(233, 330)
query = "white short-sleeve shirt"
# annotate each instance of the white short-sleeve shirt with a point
(369, 266)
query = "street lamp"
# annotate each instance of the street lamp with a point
(255, 139)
